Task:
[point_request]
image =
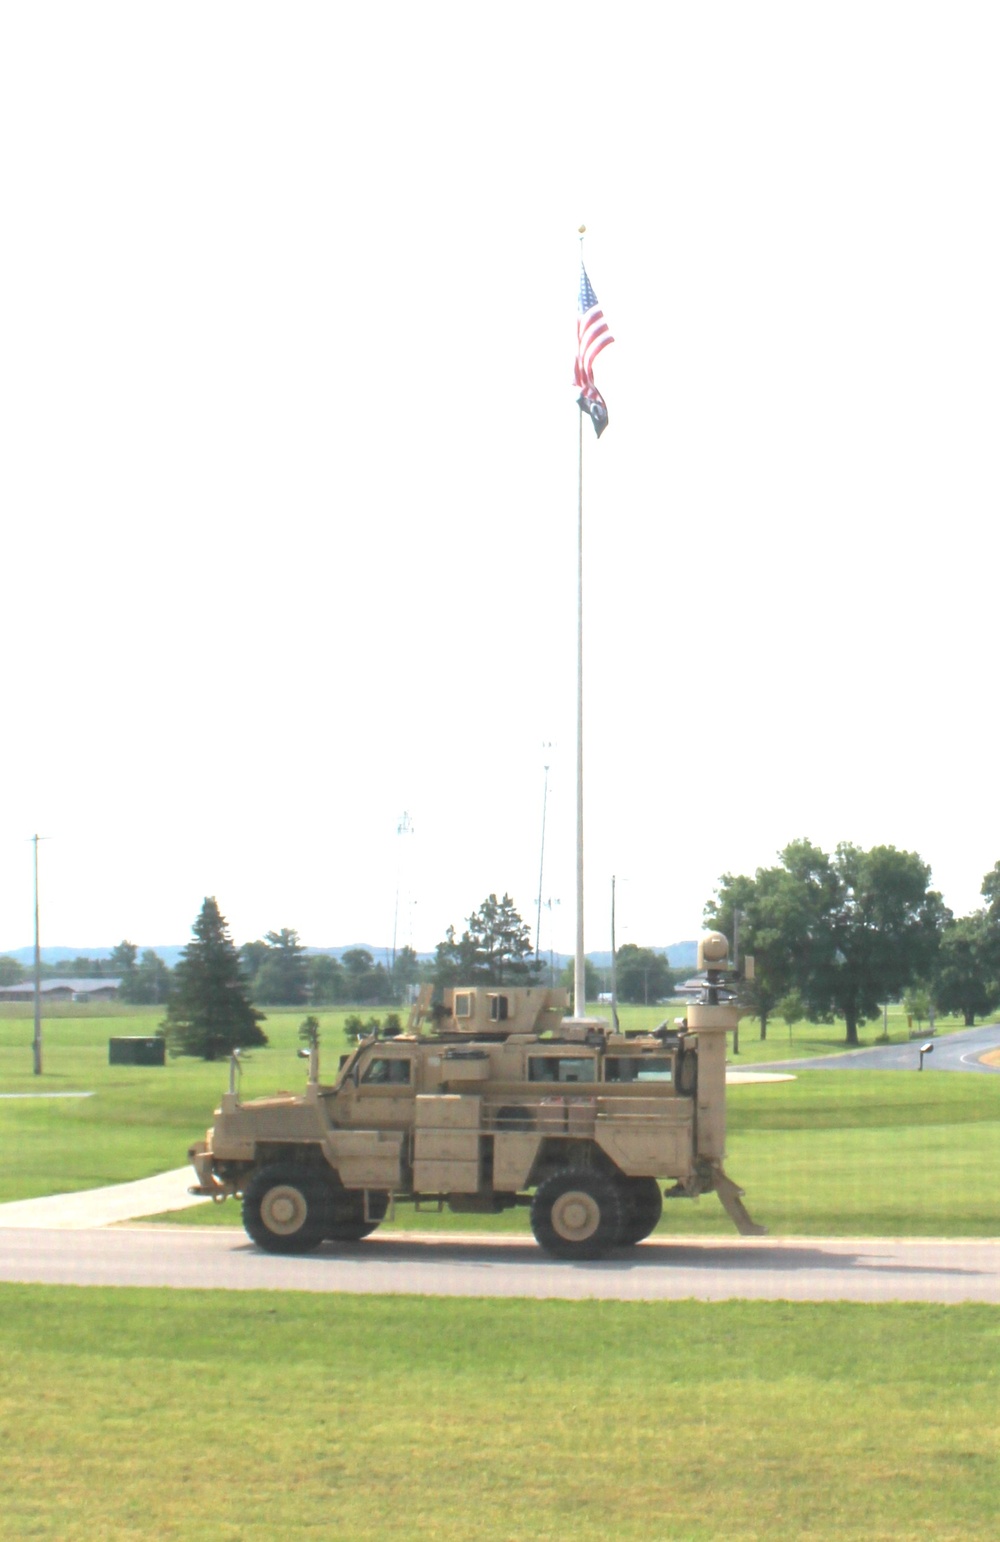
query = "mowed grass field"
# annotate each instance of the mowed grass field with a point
(893, 1153)
(141, 1415)
(200, 1417)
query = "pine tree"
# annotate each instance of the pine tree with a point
(208, 1011)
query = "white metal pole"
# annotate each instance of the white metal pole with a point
(37, 1042)
(614, 963)
(579, 968)
(541, 864)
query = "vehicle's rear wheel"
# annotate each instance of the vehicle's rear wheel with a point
(347, 1216)
(642, 1206)
(577, 1214)
(286, 1208)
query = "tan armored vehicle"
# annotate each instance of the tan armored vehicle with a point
(491, 1099)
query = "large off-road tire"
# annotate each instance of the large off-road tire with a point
(642, 1206)
(577, 1213)
(286, 1208)
(346, 1219)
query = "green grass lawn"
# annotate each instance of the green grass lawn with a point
(888, 1152)
(157, 1414)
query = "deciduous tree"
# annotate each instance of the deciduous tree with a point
(12, 971)
(849, 932)
(965, 978)
(326, 979)
(874, 926)
(148, 984)
(642, 974)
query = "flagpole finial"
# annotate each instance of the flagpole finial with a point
(583, 230)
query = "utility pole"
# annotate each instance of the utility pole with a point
(405, 827)
(37, 1042)
(541, 859)
(614, 962)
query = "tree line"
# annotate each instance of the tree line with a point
(833, 936)
(838, 935)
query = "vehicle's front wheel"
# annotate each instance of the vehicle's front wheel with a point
(286, 1208)
(641, 1209)
(577, 1214)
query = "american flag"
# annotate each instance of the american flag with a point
(591, 336)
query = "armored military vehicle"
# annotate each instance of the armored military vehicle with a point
(492, 1098)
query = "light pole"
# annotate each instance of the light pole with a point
(37, 1041)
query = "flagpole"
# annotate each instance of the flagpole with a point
(579, 966)
(592, 336)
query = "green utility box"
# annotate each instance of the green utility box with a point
(137, 1051)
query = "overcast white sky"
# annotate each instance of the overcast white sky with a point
(289, 469)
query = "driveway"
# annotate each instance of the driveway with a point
(960, 1051)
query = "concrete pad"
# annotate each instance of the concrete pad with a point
(104, 1207)
(735, 1076)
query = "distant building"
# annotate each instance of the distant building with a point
(63, 990)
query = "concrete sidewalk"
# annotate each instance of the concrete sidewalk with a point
(103, 1207)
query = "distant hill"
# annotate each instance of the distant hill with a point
(680, 955)
(170, 953)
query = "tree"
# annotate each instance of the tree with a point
(964, 978)
(148, 983)
(848, 932)
(791, 1010)
(326, 979)
(208, 1012)
(365, 980)
(283, 977)
(454, 959)
(253, 956)
(874, 926)
(592, 986)
(642, 974)
(12, 971)
(358, 966)
(405, 971)
(916, 1003)
(773, 915)
(122, 960)
(494, 949)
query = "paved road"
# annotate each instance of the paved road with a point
(812, 1269)
(952, 1052)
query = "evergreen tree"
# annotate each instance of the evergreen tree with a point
(208, 1012)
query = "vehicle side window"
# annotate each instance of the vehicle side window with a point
(560, 1068)
(387, 1073)
(633, 1068)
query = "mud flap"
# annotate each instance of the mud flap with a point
(731, 1197)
